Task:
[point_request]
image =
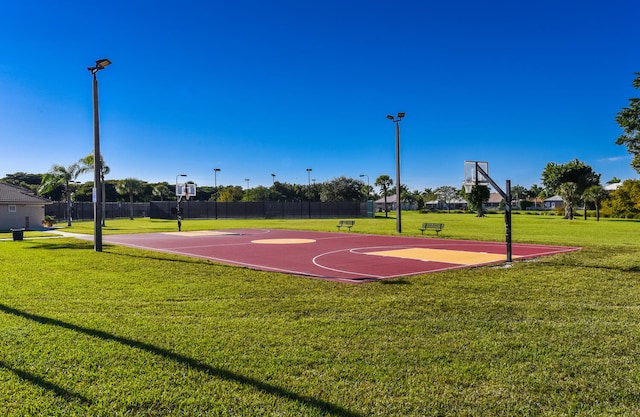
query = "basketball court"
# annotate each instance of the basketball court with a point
(336, 256)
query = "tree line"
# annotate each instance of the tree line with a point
(575, 182)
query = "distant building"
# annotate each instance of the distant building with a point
(454, 204)
(495, 201)
(391, 204)
(612, 187)
(20, 208)
(553, 202)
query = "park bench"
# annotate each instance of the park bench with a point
(437, 227)
(346, 223)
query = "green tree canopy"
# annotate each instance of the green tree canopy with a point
(131, 187)
(624, 201)
(569, 193)
(30, 181)
(60, 176)
(476, 199)
(577, 172)
(341, 189)
(447, 194)
(594, 194)
(162, 191)
(629, 120)
(384, 182)
(231, 193)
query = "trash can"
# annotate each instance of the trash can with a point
(18, 234)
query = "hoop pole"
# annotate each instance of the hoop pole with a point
(507, 220)
(507, 207)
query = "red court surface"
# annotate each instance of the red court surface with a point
(337, 256)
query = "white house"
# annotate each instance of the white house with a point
(391, 204)
(612, 187)
(553, 202)
(20, 208)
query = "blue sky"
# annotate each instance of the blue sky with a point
(278, 86)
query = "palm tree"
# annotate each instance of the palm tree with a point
(594, 194)
(384, 182)
(569, 193)
(130, 186)
(57, 176)
(161, 190)
(86, 165)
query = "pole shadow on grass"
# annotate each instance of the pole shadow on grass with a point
(42, 383)
(184, 360)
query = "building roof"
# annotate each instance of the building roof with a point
(554, 199)
(495, 198)
(12, 194)
(390, 199)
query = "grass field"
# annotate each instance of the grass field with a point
(133, 333)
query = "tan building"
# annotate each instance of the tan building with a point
(20, 208)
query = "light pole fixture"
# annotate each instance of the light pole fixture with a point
(97, 159)
(368, 186)
(179, 175)
(247, 180)
(396, 120)
(273, 179)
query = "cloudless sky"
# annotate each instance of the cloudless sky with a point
(256, 87)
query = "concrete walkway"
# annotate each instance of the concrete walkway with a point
(55, 234)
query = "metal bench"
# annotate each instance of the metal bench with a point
(345, 223)
(437, 227)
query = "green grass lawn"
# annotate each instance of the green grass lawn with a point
(134, 333)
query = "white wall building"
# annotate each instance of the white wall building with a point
(20, 208)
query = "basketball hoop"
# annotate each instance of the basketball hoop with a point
(473, 175)
(477, 173)
(186, 190)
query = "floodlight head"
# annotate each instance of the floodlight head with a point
(101, 63)
(309, 170)
(400, 115)
(390, 117)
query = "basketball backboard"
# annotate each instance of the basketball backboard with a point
(186, 190)
(473, 174)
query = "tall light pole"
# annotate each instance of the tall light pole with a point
(273, 179)
(309, 189)
(368, 186)
(215, 190)
(97, 160)
(215, 177)
(215, 182)
(396, 120)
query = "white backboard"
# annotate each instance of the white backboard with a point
(186, 190)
